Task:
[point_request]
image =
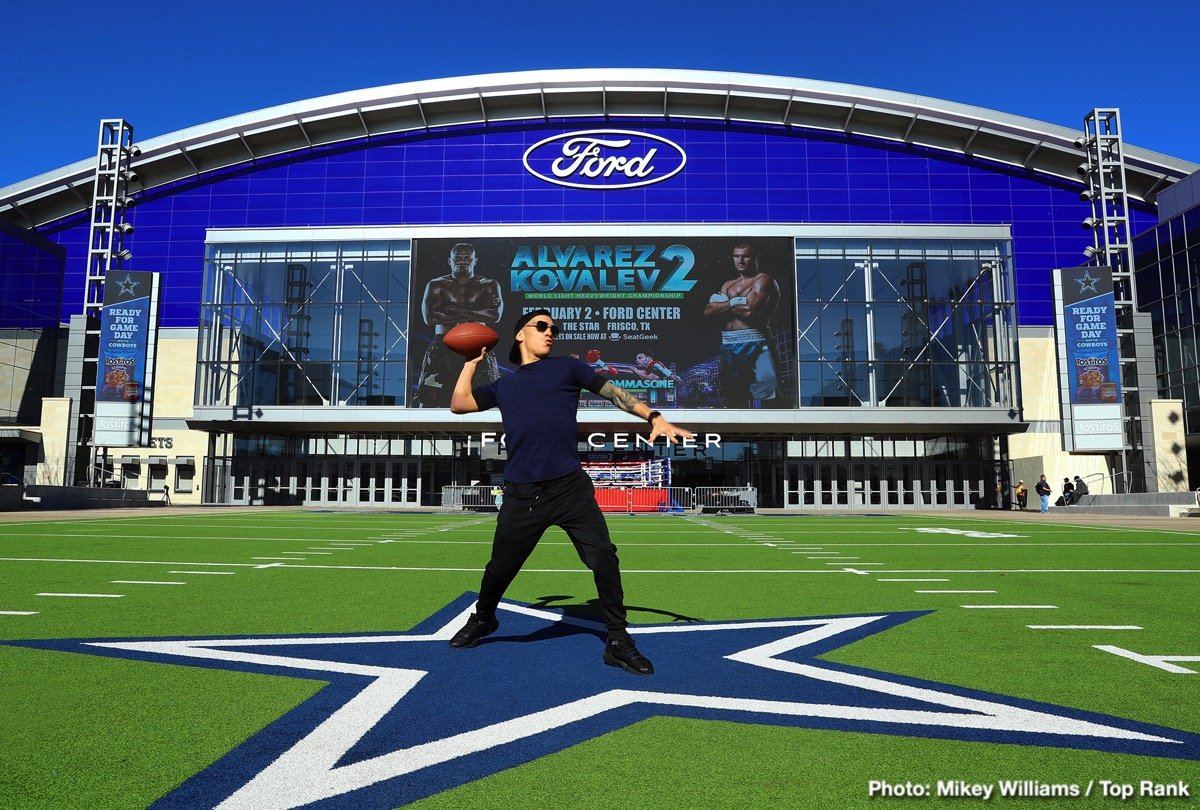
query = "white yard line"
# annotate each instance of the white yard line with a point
(87, 595)
(1010, 607)
(1083, 627)
(473, 569)
(1162, 662)
(145, 582)
(648, 571)
(18, 613)
(785, 546)
(122, 562)
(1042, 571)
(982, 543)
(579, 570)
(418, 539)
(1056, 526)
(175, 537)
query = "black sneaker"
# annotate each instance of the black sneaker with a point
(623, 653)
(474, 631)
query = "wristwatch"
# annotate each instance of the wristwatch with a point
(650, 417)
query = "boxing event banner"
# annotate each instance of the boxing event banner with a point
(128, 325)
(681, 322)
(1091, 336)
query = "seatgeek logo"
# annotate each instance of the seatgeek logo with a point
(604, 159)
(404, 716)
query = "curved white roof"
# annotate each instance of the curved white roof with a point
(613, 93)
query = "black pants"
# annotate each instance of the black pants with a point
(528, 510)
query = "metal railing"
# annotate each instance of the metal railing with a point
(1110, 479)
(729, 499)
(1093, 491)
(478, 498)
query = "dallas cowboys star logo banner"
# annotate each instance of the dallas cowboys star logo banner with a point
(405, 716)
(1089, 358)
(128, 326)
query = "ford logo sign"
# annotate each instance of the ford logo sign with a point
(604, 159)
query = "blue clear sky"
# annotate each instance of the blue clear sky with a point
(167, 65)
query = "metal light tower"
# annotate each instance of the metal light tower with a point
(106, 252)
(110, 198)
(1112, 246)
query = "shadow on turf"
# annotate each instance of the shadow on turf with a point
(591, 611)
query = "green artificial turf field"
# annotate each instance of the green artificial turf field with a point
(91, 731)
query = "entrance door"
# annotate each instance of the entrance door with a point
(311, 481)
(241, 489)
(339, 484)
(347, 475)
(856, 485)
(324, 481)
(366, 482)
(792, 485)
(404, 483)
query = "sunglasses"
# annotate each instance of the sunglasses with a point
(542, 326)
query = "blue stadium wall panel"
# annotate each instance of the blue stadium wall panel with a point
(31, 280)
(735, 173)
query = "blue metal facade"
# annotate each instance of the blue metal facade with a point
(31, 285)
(735, 173)
(31, 280)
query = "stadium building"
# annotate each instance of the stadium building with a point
(904, 343)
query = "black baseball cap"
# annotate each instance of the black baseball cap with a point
(514, 354)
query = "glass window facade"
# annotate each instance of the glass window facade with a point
(1168, 288)
(31, 293)
(313, 323)
(882, 323)
(817, 471)
(905, 323)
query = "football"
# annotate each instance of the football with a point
(469, 338)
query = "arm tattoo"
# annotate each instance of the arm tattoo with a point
(620, 397)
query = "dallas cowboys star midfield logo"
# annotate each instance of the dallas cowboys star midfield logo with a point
(405, 716)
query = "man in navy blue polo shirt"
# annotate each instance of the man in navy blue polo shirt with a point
(544, 483)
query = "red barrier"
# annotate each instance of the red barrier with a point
(615, 499)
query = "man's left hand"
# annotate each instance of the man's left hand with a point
(673, 433)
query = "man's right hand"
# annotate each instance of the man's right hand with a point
(462, 400)
(474, 362)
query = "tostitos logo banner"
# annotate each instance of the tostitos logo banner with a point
(681, 322)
